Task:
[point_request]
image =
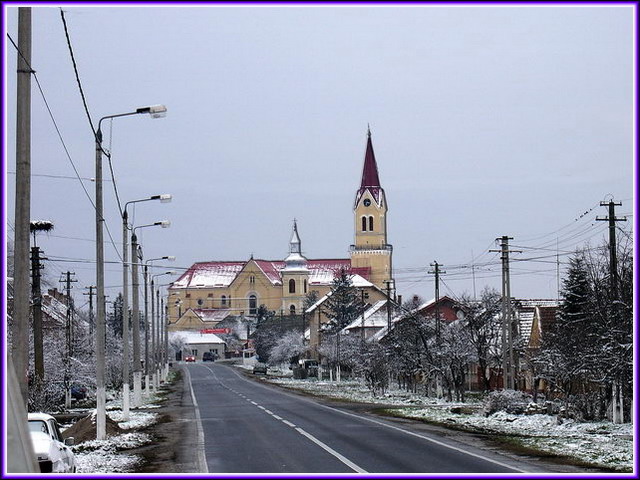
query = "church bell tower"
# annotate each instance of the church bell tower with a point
(371, 249)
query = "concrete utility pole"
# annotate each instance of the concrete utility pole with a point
(436, 271)
(508, 359)
(617, 393)
(91, 293)
(36, 298)
(69, 338)
(388, 284)
(20, 326)
(135, 318)
(125, 316)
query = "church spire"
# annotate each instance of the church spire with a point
(294, 244)
(370, 168)
(370, 181)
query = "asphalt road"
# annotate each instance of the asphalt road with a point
(249, 427)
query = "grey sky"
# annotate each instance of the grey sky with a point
(486, 121)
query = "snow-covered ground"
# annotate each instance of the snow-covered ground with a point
(602, 444)
(110, 455)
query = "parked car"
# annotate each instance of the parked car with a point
(208, 357)
(52, 451)
(260, 368)
(190, 358)
(78, 392)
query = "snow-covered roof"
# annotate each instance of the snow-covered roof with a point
(356, 281)
(214, 315)
(374, 317)
(222, 274)
(525, 311)
(193, 338)
(54, 309)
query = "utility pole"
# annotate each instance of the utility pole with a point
(20, 326)
(91, 293)
(125, 317)
(69, 337)
(135, 318)
(436, 271)
(617, 394)
(388, 284)
(36, 298)
(508, 360)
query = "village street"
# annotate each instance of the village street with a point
(250, 427)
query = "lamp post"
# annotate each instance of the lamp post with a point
(159, 336)
(125, 300)
(149, 381)
(135, 308)
(101, 424)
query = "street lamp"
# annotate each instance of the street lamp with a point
(161, 324)
(101, 421)
(135, 308)
(164, 198)
(148, 383)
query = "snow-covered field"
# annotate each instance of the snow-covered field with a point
(600, 444)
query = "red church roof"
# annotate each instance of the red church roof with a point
(370, 179)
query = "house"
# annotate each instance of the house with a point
(196, 344)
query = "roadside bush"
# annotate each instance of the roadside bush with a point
(509, 401)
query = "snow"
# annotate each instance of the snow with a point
(602, 444)
(104, 456)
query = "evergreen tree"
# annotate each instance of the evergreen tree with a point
(343, 304)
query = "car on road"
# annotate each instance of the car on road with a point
(52, 450)
(190, 358)
(208, 357)
(260, 368)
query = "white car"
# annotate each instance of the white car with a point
(52, 452)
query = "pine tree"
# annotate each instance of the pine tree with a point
(343, 304)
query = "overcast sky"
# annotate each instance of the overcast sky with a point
(486, 121)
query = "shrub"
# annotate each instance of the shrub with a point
(509, 401)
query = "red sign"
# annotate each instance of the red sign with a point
(216, 330)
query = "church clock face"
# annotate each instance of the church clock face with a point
(367, 202)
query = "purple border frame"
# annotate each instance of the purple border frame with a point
(4, 161)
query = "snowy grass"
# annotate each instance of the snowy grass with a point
(105, 456)
(601, 444)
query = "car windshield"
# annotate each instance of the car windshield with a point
(38, 426)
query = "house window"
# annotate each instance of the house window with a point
(223, 300)
(292, 310)
(305, 286)
(366, 295)
(292, 286)
(364, 224)
(253, 304)
(371, 224)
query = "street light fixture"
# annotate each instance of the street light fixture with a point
(101, 423)
(164, 198)
(136, 256)
(148, 383)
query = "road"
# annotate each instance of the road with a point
(246, 426)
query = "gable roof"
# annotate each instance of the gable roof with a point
(374, 317)
(222, 274)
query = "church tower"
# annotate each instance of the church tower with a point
(370, 220)
(295, 276)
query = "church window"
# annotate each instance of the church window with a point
(305, 286)
(223, 300)
(253, 304)
(188, 295)
(292, 310)
(252, 280)
(200, 302)
(371, 224)
(364, 224)
(292, 286)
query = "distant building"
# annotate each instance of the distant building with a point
(208, 292)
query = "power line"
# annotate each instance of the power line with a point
(64, 145)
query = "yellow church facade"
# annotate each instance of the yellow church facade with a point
(210, 291)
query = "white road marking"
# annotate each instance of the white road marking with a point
(286, 422)
(393, 427)
(269, 412)
(327, 448)
(202, 462)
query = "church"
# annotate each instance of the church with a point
(208, 292)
